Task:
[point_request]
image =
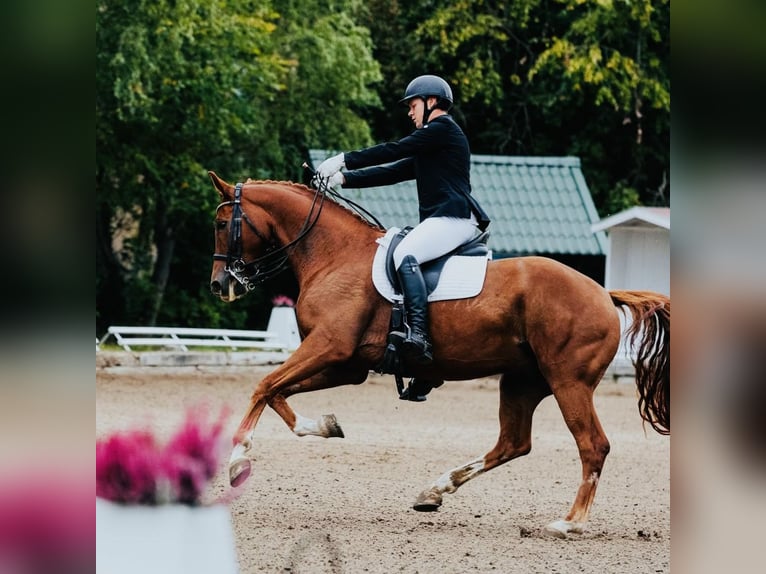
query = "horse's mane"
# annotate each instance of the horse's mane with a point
(306, 190)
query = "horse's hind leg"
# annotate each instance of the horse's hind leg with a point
(576, 403)
(518, 401)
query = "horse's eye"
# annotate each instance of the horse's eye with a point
(220, 225)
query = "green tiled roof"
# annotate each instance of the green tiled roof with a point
(538, 205)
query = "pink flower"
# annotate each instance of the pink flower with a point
(132, 468)
(282, 301)
(126, 468)
(190, 458)
(46, 527)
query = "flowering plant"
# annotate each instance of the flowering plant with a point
(133, 467)
(282, 301)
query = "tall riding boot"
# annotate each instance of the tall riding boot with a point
(416, 346)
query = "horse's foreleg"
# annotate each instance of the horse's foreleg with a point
(518, 401)
(303, 365)
(239, 463)
(325, 426)
(576, 403)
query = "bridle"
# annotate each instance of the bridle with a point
(253, 273)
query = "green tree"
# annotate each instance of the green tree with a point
(611, 64)
(401, 56)
(189, 85)
(178, 84)
(546, 77)
(331, 89)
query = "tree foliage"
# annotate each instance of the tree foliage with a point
(184, 86)
(611, 66)
(548, 77)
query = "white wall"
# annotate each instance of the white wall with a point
(639, 259)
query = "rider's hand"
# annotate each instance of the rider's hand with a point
(337, 179)
(330, 166)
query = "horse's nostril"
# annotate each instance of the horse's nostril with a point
(215, 287)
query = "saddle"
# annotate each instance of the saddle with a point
(393, 362)
(432, 270)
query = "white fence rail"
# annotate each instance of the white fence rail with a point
(181, 338)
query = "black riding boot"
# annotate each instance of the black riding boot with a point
(416, 346)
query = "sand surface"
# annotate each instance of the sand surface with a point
(317, 505)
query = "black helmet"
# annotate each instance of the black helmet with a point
(424, 86)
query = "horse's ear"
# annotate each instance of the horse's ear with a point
(223, 188)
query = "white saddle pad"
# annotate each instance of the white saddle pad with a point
(461, 278)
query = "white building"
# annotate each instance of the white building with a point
(638, 249)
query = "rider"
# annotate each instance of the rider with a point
(437, 156)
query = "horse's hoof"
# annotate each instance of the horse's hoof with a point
(239, 471)
(554, 531)
(331, 426)
(428, 501)
(561, 528)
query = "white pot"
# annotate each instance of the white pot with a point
(284, 322)
(167, 539)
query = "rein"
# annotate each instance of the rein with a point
(353, 206)
(276, 259)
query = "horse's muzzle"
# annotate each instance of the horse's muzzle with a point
(226, 289)
(216, 288)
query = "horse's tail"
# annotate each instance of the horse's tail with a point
(651, 330)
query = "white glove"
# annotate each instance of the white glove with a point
(331, 166)
(328, 182)
(337, 179)
(332, 181)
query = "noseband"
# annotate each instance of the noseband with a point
(252, 273)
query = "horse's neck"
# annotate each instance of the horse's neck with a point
(337, 236)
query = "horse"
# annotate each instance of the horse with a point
(540, 325)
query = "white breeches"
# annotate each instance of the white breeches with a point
(434, 237)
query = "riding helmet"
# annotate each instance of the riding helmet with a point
(424, 86)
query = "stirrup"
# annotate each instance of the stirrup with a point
(398, 337)
(417, 350)
(416, 390)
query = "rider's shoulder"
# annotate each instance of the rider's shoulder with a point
(440, 122)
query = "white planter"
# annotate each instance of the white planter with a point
(283, 322)
(165, 539)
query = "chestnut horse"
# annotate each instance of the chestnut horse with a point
(542, 326)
